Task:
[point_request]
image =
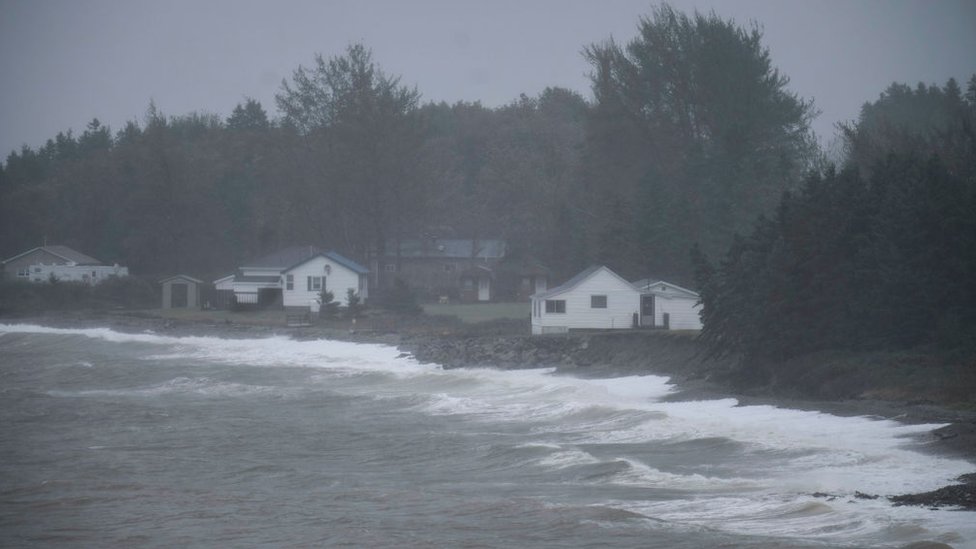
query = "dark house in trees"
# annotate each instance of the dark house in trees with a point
(444, 268)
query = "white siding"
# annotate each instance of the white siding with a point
(623, 300)
(89, 274)
(337, 281)
(226, 283)
(256, 271)
(682, 312)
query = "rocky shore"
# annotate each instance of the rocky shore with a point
(609, 354)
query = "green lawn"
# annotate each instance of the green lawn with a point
(479, 312)
(270, 317)
(468, 313)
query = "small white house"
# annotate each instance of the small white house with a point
(295, 277)
(669, 306)
(596, 298)
(329, 271)
(59, 262)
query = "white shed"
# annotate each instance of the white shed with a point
(669, 306)
(181, 292)
(596, 298)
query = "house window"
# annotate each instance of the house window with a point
(390, 267)
(37, 269)
(316, 283)
(24, 273)
(289, 282)
(598, 302)
(555, 305)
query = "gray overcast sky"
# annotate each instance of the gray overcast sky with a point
(64, 62)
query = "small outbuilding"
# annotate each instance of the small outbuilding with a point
(669, 306)
(181, 292)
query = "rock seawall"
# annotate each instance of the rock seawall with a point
(596, 353)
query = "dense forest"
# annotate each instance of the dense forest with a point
(692, 161)
(879, 253)
(690, 134)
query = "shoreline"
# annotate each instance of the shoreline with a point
(585, 356)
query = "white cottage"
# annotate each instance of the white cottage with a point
(59, 262)
(296, 276)
(596, 298)
(329, 271)
(669, 306)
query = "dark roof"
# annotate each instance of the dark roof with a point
(343, 260)
(63, 252)
(449, 248)
(282, 259)
(334, 256)
(477, 271)
(525, 266)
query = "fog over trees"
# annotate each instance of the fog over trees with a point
(877, 254)
(690, 136)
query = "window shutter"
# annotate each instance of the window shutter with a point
(308, 280)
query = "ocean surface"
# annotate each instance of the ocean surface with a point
(110, 439)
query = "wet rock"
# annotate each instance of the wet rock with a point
(956, 495)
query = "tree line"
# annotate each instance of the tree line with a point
(879, 253)
(690, 133)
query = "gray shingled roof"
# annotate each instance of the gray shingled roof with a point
(448, 248)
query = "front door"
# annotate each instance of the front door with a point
(180, 294)
(484, 285)
(647, 310)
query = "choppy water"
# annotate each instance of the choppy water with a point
(139, 440)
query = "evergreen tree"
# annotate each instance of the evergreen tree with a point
(878, 256)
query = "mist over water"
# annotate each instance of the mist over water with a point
(144, 440)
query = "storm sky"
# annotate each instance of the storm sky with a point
(64, 62)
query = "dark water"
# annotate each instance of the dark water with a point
(111, 439)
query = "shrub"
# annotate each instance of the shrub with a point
(354, 305)
(129, 292)
(330, 307)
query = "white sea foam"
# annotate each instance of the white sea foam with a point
(838, 520)
(799, 452)
(181, 385)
